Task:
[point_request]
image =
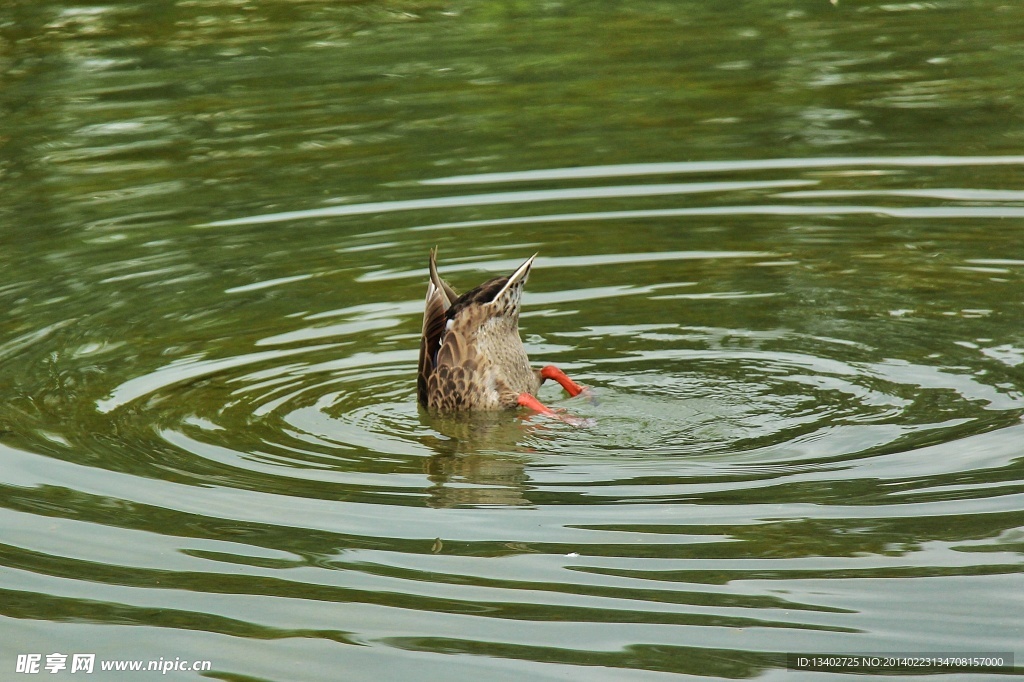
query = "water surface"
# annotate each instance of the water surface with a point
(781, 244)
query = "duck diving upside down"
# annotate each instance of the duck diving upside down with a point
(471, 355)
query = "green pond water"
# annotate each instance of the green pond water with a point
(782, 242)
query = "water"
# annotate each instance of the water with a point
(781, 245)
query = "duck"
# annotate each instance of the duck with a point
(471, 354)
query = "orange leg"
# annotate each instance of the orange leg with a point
(552, 372)
(527, 400)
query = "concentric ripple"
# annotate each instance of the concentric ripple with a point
(662, 396)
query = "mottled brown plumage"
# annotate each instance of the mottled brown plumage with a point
(471, 356)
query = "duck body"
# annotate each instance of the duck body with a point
(471, 355)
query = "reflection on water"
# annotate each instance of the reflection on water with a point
(785, 260)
